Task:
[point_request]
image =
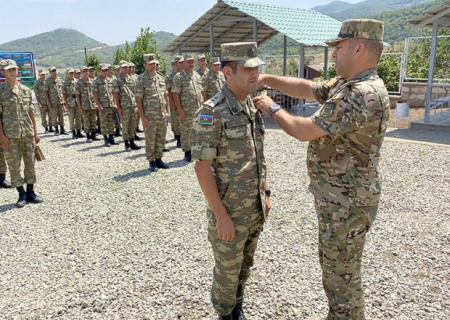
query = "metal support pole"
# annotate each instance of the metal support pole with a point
(325, 65)
(431, 72)
(301, 73)
(255, 34)
(211, 40)
(284, 54)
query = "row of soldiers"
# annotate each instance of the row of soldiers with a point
(117, 97)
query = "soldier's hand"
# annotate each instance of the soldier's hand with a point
(145, 122)
(37, 138)
(4, 142)
(100, 109)
(268, 205)
(67, 106)
(120, 112)
(263, 103)
(225, 229)
(181, 114)
(50, 105)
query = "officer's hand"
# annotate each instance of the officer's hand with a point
(145, 122)
(67, 106)
(225, 229)
(37, 138)
(268, 205)
(50, 105)
(4, 142)
(120, 112)
(181, 114)
(263, 103)
(100, 109)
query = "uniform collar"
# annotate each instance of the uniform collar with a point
(234, 104)
(364, 75)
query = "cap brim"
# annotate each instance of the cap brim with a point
(252, 63)
(334, 42)
(10, 67)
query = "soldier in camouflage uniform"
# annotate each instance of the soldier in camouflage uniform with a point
(103, 96)
(126, 103)
(153, 106)
(86, 104)
(213, 80)
(91, 72)
(228, 149)
(174, 118)
(202, 69)
(77, 74)
(3, 168)
(18, 133)
(39, 92)
(70, 101)
(53, 96)
(343, 157)
(188, 97)
(133, 77)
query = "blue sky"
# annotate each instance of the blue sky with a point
(112, 21)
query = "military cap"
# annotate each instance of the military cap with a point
(51, 68)
(150, 58)
(9, 64)
(84, 68)
(41, 71)
(91, 68)
(2, 63)
(368, 29)
(215, 60)
(77, 70)
(103, 66)
(188, 57)
(116, 67)
(124, 64)
(244, 53)
(201, 56)
(69, 70)
(178, 59)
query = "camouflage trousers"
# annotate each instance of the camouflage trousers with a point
(3, 167)
(233, 260)
(90, 120)
(129, 123)
(45, 113)
(57, 115)
(107, 121)
(186, 127)
(117, 120)
(138, 119)
(21, 149)
(155, 138)
(74, 118)
(175, 123)
(342, 235)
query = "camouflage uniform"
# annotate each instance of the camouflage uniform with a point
(69, 90)
(202, 72)
(212, 83)
(189, 87)
(152, 91)
(84, 90)
(38, 88)
(174, 118)
(233, 138)
(104, 90)
(124, 87)
(54, 89)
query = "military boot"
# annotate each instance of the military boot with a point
(153, 167)
(139, 129)
(188, 156)
(3, 182)
(107, 143)
(63, 131)
(88, 138)
(56, 131)
(136, 137)
(111, 140)
(50, 129)
(127, 145)
(238, 312)
(229, 317)
(31, 196)
(93, 136)
(178, 138)
(46, 129)
(22, 197)
(118, 134)
(133, 145)
(79, 134)
(74, 134)
(160, 164)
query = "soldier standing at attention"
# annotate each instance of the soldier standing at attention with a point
(53, 96)
(213, 80)
(228, 149)
(18, 133)
(126, 104)
(39, 92)
(77, 74)
(153, 106)
(345, 138)
(116, 117)
(70, 101)
(133, 77)
(86, 104)
(174, 118)
(202, 69)
(3, 168)
(188, 97)
(91, 73)
(103, 97)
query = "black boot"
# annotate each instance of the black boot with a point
(133, 145)
(127, 146)
(229, 317)
(118, 132)
(88, 138)
(166, 149)
(153, 167)
(31, 196)
(56, 131)
(51, 129)
(111, 140)
(188, 156)
(160, 164)
(74, 134)
(3, 182)
(46, 129)
(22, 197)
(93, 136)
(63, 131)
(138, 129)
(178, 138)
(136, 137)
(107, 143)
(79, 134)
(238, 312)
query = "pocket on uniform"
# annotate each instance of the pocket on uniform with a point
(236, 129)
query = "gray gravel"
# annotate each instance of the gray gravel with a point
(112, 241)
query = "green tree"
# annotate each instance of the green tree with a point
(93, 60)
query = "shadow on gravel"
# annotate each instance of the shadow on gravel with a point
(112, 153)
(429, 136)
(94, 147)
(74, 143)
(132, 175)
(136, 156)
(178, 164)
(6, 207)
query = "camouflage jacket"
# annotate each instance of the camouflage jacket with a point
(233, 138)
(212, 83)
(54, 88)
(39, 87)
(190, 90)
(103, 88)
(169, 79)
(152, 91)
(84, 89)
(69, 90)
(201, 72)
(344, 164)
(123, 87)
(15, 106)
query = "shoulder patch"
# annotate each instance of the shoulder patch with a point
(206, 119)
(215, 100)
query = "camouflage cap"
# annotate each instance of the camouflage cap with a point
(116, 67)
(188, 57)
(149, 57)
(124, 64)
(2, 63)
(69, 70)
(104, 66)
(369, 29)
(84, 68)
(41, 72)
(178, 59)
(77, 70)
(51, 68)
(215, 60)
(131, 64)
(91, 68)
(201, 56)
(9, 64)
(244, 53)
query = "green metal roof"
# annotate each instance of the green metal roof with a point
(233, 21)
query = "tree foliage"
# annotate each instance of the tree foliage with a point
(93, 60)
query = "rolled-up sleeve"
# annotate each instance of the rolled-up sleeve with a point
(205, 134)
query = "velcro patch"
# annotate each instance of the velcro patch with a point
(207, 119)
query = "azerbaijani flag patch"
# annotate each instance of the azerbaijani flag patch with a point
(207, 119)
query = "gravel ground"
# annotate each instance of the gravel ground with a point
(114, 241)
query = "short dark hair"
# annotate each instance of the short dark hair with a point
(374, 47)
(232, 64)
